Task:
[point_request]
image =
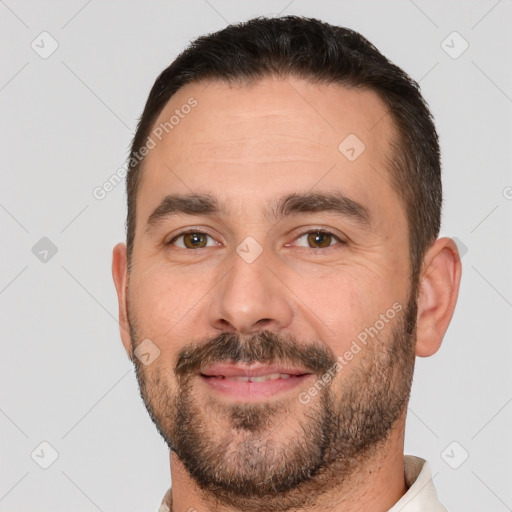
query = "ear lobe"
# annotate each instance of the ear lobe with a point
(120, 276)
(438, 292)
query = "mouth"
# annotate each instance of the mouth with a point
(255, 382)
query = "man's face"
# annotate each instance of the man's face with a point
(314, 292)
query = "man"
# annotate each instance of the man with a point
(282, 270)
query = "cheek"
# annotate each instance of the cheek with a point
(162, 304)
(158, 387)
(346, 307)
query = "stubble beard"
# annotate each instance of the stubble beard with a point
(281, 455)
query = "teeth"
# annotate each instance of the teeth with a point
(261, 378)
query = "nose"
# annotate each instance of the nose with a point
(250, 298)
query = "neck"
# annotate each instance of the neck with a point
(376, 484)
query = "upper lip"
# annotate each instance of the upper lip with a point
(234, 370)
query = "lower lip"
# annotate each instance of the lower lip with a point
(246, 390)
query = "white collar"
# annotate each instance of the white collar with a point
(421, 494)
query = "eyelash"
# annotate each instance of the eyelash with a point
(321, 231)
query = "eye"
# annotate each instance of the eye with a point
(192, 240)
(318, 239)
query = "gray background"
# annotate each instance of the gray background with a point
(66, 123)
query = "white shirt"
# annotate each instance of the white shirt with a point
(421, 494)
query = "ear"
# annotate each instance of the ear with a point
(120, 276)
(438, 292)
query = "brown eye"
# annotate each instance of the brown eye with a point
(192, 240)
(319, 239)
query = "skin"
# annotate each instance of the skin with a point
(247, 146)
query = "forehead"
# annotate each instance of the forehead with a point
(311, 112)
(245, 141)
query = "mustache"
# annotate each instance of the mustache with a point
(262, 347)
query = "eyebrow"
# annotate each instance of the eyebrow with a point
(311, 202)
